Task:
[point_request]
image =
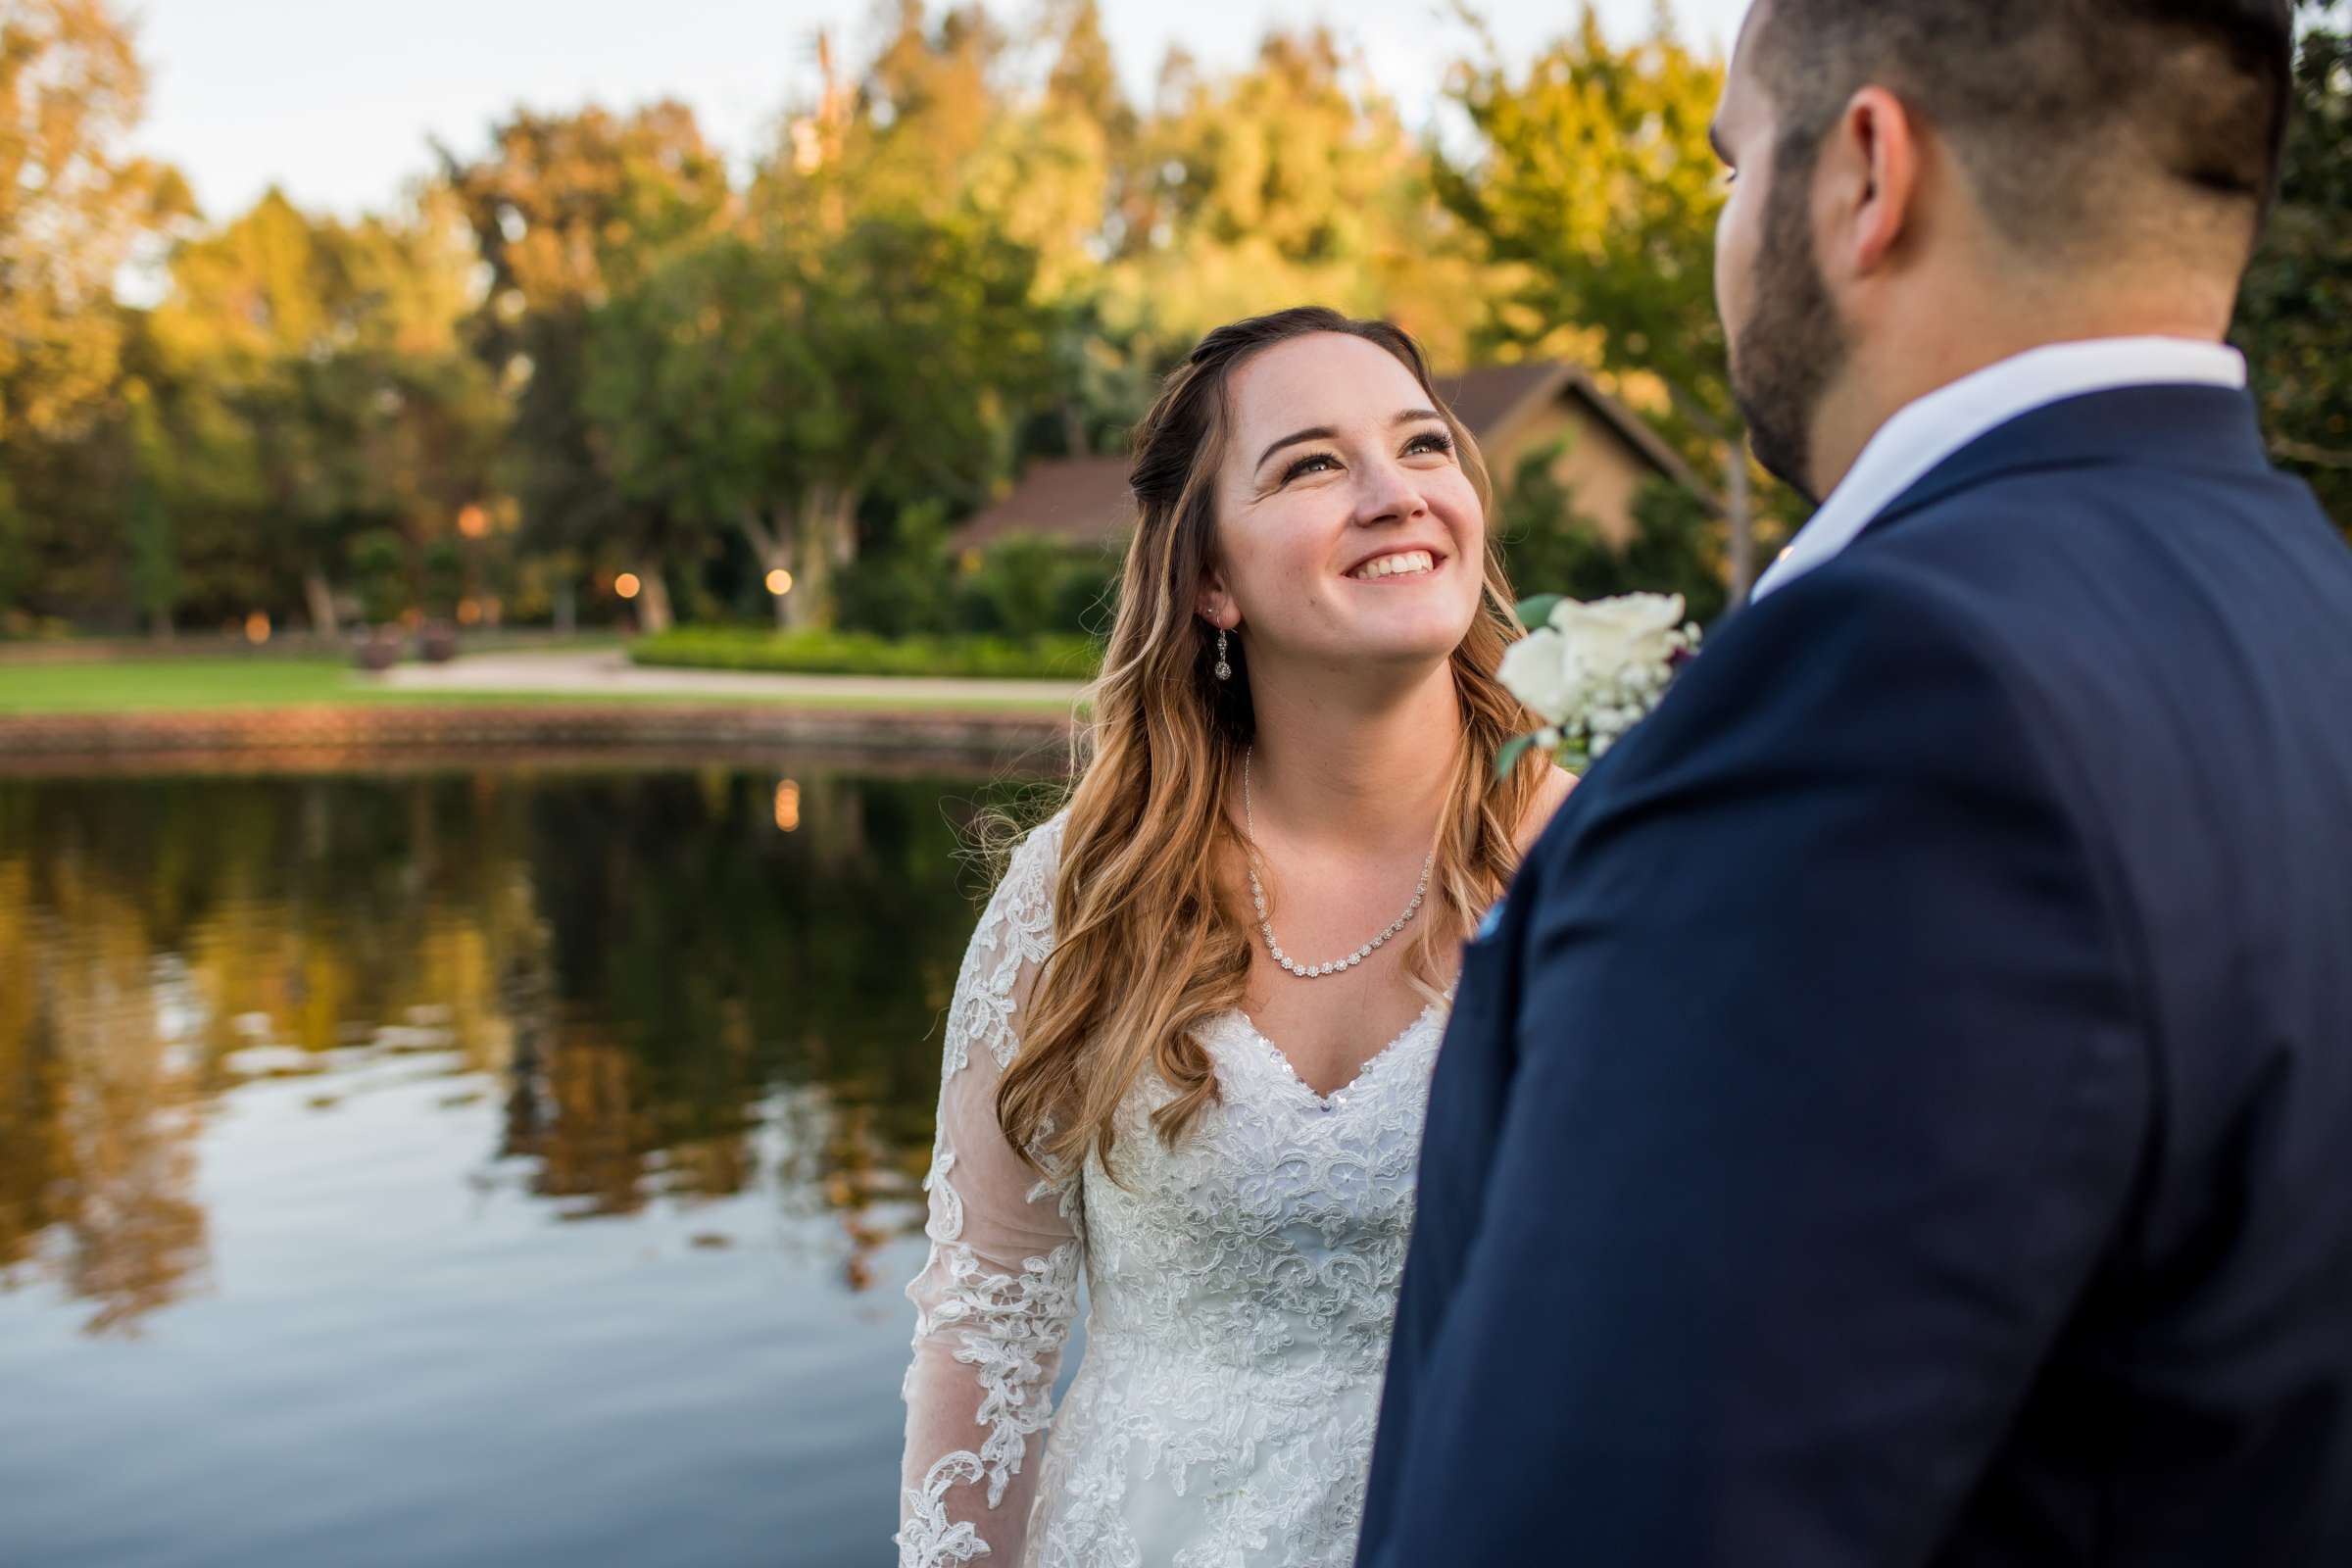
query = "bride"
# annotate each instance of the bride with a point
(1190, 1046)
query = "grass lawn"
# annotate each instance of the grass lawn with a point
(182, 685)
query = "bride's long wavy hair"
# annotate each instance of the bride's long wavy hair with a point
(1145, 951)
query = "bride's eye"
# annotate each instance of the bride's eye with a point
(1437, 441)
(1306, 464)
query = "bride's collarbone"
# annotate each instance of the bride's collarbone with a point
(1331, 1028)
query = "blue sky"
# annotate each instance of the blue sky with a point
(334, 99)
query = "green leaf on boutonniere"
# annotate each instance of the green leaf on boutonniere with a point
(1536, 611)
(1508, 757)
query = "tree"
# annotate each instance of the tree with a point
(1291, 183)
(1593, 177)
(313, 388)
(1553, 547)
(569, 210)
(2294, 319)
(1594, 181)
(73, 205)
(771, 391)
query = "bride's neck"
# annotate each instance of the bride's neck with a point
(1368, 769)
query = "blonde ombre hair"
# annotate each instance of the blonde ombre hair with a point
(1145, 951)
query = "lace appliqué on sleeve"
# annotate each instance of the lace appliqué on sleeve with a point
(998, 1292)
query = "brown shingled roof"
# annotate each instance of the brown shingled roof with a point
(1081, 499)
(1484, 398)
(1490, 397)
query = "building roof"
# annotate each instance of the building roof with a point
(1080, 500)
(1489, 399)
(1087, 500)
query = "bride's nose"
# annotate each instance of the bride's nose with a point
(1387, 492)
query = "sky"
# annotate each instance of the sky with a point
(334, 100)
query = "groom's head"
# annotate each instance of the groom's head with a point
(1925, 186)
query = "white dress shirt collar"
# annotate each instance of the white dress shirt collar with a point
(1923, 433)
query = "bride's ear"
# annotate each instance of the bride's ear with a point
(1213, 604)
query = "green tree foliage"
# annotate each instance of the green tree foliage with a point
(2295, 317)
(1594, 190)
(772, 392)
(1550, 545)
(1593, 180)
(965, 251)
(569, 210)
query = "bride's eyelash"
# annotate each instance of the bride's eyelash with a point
(1439, 441)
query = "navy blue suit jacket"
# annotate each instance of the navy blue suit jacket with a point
(1903, 1113)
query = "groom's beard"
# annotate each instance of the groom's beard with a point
(1792, 344)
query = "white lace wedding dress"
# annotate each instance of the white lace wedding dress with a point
(1241, 1286)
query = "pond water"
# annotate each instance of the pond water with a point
(490, 1166)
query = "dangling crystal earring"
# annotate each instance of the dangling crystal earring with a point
(1224, 670)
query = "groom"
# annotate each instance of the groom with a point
(1902, 1113)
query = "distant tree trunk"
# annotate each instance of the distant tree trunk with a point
(322, 599)
(652, 599)
(824, 539)
(772, 548)
(1737, 502)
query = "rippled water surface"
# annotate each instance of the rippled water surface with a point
(473, 1167)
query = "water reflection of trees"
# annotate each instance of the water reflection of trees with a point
(97, 1108)
(651, 963)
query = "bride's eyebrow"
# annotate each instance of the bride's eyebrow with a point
(1318, 432)
(1324, 432)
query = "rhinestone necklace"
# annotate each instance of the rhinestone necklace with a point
(1258, 893)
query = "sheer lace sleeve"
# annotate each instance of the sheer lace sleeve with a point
(994, 1299)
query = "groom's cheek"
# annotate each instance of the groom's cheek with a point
(1735, 263)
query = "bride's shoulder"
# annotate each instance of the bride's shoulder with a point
(1550, 795)
(1029, 869)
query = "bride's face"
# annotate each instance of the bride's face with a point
(1347, 533)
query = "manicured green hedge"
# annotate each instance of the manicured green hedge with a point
(843, 652)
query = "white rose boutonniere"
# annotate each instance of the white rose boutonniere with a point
(1592, 671)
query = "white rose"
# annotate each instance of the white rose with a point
(1540, 669)
(1630, 632)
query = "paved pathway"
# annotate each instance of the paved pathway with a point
(606, 671)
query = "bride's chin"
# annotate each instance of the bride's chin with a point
(1408, 653)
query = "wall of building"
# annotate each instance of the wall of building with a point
(1600, 469)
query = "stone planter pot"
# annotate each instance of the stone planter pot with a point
(380, 650)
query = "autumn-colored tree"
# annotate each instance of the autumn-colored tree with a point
(309, 388)
(1292, 182)
(75, 204)
(1592, 180)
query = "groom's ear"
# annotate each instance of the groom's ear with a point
(1870, 183)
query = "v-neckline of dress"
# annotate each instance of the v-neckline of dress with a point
(1337, 1096)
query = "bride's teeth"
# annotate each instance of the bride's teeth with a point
(1394, 565)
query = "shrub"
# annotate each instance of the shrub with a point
(851, 653)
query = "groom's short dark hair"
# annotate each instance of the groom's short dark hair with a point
(2066, 114)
